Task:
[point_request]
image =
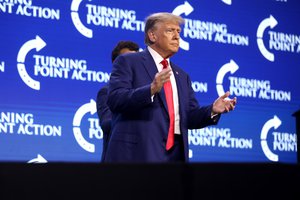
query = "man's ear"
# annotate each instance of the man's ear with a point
(151, 36)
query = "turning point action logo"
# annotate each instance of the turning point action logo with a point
(94, 131)
(248, 87)
(55, 67)
(282, 142)
(277, 40)
(110, 17)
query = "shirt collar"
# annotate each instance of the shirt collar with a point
(157, 58)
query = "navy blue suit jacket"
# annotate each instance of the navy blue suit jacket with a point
(105, 117)
(140, 125)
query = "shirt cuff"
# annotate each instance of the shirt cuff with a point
(213, 115)
(152, 98)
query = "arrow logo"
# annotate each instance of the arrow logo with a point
(36, 44)
(268, 22)
(272, 123)
(185, 9)
(84, 109)
(231, 67)
(76, 20)
(228, 2)
(38, 159)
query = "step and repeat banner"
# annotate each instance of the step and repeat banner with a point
(55, 56)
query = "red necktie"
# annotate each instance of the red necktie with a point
(169, 98)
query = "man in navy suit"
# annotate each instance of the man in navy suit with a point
(104, 114)
(137, 99)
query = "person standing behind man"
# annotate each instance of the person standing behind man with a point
(144, 117)
(104, 114)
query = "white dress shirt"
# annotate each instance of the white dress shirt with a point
(157, 59)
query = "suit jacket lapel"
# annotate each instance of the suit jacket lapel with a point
(149, 64)
(150, 67)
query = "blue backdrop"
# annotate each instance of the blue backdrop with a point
(55, 56)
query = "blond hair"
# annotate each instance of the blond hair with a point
(155, 18)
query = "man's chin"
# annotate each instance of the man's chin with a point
(175, 50)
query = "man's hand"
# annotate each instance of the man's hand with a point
(223, 104)
(159, 80)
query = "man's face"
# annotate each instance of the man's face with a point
(166, 38)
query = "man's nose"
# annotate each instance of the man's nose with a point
(176, 35)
